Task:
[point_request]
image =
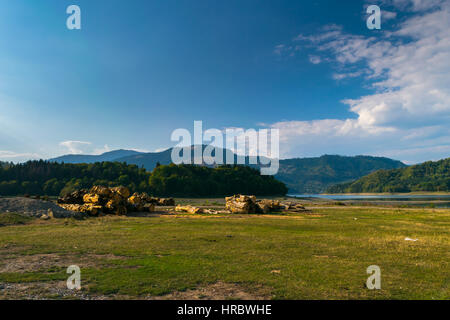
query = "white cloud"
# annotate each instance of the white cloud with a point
(102, 150)
(16, 156)
(415, 5)
(409, 70)
(75, 147)
(315, 59)
(388, 15)
(342, 76)
(279, 49)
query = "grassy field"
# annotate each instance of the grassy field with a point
(319, 255)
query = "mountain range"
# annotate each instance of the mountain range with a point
(428, 176)
(301, 175)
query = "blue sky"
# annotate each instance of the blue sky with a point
(137, 70)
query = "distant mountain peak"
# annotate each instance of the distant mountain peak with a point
(84, 158)
(301, 175)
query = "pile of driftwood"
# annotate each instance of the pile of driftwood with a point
(103, 200)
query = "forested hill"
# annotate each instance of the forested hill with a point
(428, 176)
(302, 175)
(315, 175)
(52, 179)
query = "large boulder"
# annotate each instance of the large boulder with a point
(101, 191)
(267, 206)
(249, 204)
(121, 191)
(141, 202)
(242, 204)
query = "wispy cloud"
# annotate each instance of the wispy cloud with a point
(75, 147)
(409, 71)
(101, 150)
(315, 59)
(17, 156)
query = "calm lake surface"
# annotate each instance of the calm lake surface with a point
(440, 201)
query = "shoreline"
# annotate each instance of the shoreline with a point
(416, 193)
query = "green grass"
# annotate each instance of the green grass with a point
(323, 255)
(7, 219)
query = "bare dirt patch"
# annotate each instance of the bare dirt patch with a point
(219, 291)
(53, 290)
(39, 262)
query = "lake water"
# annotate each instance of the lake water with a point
(440, 201)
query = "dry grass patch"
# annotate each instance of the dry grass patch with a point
(13, 263)
(220, 291)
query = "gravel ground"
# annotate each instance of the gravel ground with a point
(34, 208)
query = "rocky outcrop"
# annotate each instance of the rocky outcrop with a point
(103, 200)
(267, 206)
(141, 202)
(242, 204)
(249, 204)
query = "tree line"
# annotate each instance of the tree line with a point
(429, 176)
(55, 179)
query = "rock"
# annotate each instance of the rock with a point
(122, 191)
(211, 211)
(249, 204)
(293, 206)
(92, 198)
(103, 200)
(267, 206)
(45, 217)
(166, 202)
(87, 208)
(141, 202)
(189, 209)
(242, 204)
(101, 191)
(137, 201)
(73, 198)
(115, 207)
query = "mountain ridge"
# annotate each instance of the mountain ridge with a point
(430, 176)
(301, 175)
(85, 158)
